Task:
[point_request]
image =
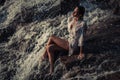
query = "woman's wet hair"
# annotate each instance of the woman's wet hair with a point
(81, 10)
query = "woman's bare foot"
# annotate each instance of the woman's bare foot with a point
(81, 56)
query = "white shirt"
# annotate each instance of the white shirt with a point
(76, 33)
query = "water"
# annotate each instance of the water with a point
(21, 55)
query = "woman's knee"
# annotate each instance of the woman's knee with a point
(50, 47)
(52, 37)
(50, 40)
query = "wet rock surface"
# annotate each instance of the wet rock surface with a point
(25, 27)
(102, 61)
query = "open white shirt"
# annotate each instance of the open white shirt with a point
(76, 34)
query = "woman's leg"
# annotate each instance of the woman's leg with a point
(58, 41)
(51, 53)
(54, 43)
(45, 54)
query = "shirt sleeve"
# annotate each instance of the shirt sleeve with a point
(80, 42)
(69, 19)
(68, 22)
(82, 33)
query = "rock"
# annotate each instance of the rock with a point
(112, 76)
(2, 2)
(23, 38)
(68, 5)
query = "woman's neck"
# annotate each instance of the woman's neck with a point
(78, 19)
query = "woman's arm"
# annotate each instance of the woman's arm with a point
(81, 49)
(81, 54)
(83, 32)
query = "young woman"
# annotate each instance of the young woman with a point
(76, 29)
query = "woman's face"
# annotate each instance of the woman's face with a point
(76, 12)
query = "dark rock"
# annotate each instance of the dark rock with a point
(6, 33)
(68, 5)
(2, 2)
(112, 76)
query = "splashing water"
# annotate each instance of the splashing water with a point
(22, 53)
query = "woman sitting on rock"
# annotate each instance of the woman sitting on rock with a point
(74, 45)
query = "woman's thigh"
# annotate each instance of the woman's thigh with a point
(61, 42)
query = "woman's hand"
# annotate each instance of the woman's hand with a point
(81, 56)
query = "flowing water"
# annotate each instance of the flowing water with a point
(33, 23)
